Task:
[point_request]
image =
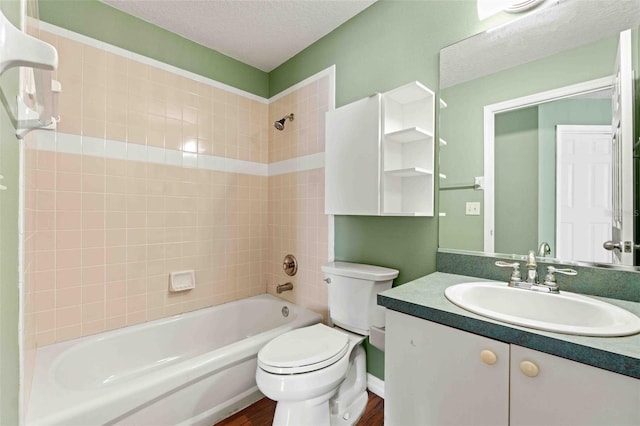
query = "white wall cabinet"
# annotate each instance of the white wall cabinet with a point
(438, 375)
(379, 156)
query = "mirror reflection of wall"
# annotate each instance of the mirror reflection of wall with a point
(462, 126)
(525, 170)
(525, 203)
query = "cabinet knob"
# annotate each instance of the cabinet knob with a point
(529, 368)
(488, 357)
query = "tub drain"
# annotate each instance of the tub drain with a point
(285, 311)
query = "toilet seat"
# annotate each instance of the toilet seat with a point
(303, 350)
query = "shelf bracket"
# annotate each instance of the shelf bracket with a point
(27, 119)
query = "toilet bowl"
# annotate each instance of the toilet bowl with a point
(304, 370)
(317, 374)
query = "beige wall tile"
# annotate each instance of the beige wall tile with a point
(107, 233)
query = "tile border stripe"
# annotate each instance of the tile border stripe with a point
(87, 145)
(76, 144)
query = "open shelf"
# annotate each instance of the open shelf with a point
(412, 134)
(408, 151)
(410, 93)
(408, 214)
(408, 172)
(408, 193)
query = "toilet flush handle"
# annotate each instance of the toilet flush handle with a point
(327, 280)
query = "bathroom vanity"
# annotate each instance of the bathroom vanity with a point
(445, 365)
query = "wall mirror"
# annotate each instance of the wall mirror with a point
(526, 103)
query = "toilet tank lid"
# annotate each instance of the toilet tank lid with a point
(359, 270)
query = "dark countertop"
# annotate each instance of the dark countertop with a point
(424, 298)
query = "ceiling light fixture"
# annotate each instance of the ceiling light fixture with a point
(520, 6)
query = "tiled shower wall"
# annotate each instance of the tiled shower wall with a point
(110, 231)
(129, 188)
(297, 223)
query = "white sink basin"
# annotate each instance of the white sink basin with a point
(567, 313)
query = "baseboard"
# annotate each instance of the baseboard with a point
(375, 385)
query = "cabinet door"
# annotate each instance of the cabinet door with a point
(435, 375)
(569, 393)
(352, 158)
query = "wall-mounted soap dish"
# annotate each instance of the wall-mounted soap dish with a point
(182, 280)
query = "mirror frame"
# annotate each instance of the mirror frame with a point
(552, 260)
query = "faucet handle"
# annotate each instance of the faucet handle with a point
(550, 278)
(515, 274)
(503, 264)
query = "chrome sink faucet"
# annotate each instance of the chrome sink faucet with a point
(531, 282)
(532, 268)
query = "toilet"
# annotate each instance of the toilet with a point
(318, 374)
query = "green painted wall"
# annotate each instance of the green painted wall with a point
(9, 292)
(462, 159)
(551, 114)
(456, 229)
(516, 183)
(103, 22)
(387, 45)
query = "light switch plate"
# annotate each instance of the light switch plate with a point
(472, 209)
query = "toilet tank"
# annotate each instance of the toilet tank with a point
(353, 290)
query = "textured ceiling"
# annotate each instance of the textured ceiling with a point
(261, 33)
(563, 25)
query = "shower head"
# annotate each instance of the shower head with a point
(279, 124)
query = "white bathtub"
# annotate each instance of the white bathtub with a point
(190, 369)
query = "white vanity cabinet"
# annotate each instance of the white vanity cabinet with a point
(439, 375)
(379, 155)
(566, 392)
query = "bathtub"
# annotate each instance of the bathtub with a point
(191, 369)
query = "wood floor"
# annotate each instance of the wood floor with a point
(261, 414)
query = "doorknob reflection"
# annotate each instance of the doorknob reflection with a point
(610, 245)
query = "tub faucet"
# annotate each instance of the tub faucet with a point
(284, 287)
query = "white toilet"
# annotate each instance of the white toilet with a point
(318, 374)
